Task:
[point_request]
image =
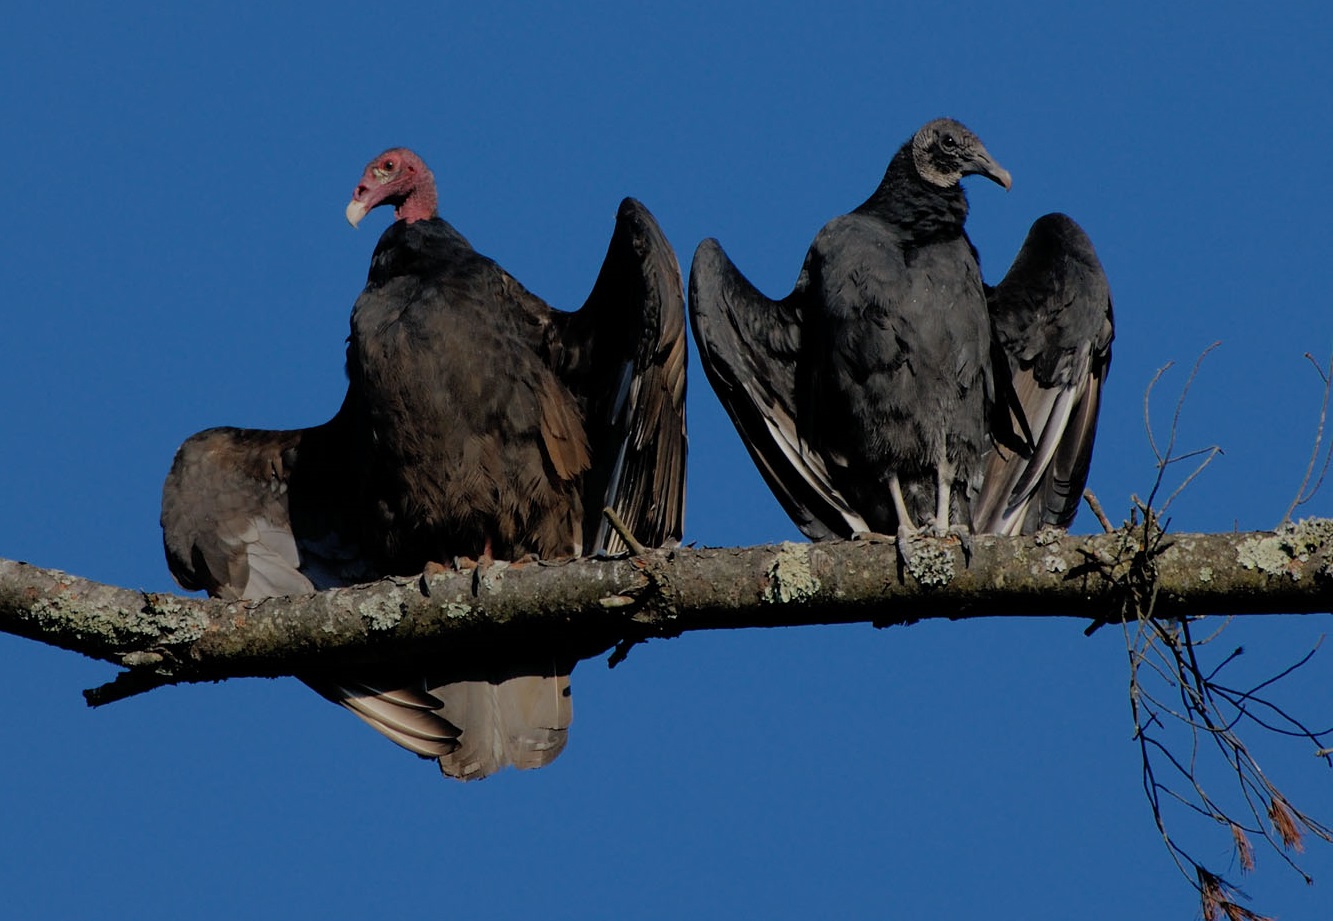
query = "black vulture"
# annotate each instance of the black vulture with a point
(479, 423)
(1052, 316)
(866, 396)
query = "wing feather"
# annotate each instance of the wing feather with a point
(748, 345)
(1052, 313)
(250, 513)
(623, 353)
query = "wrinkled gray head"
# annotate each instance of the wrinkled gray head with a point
(944, 151)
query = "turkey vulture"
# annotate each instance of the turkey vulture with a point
(479, 423)
(1052, 316)
(866, 396)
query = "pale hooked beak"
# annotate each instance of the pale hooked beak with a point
(355, 212)
(984, 165)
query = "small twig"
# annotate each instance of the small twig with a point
(1096, 507)
(1212, 452)
(1147, 409)
(127, 684)
(621, 652)
(1185, 391)
(1302, 496)
(1318, 369)
(618, 526)
(1165, 459)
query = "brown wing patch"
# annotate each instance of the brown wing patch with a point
(563, 434)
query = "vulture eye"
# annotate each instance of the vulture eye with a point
(389, 165)
(949, 142)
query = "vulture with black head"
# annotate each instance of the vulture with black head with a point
(1052, 317)
(479, 423)
(867, 395)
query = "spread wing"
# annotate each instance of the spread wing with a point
(1052, 315)
(748, 345)
(623, 356)
(250, 513)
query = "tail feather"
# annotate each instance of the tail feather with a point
(473, 728)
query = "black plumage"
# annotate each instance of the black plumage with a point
(866, 396)
(1052, 317)
(478, 423)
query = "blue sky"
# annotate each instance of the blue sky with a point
(175, 257)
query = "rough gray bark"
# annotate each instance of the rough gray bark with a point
(590, 604)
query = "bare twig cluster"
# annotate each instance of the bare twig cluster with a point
(1213, 714)
(1171, 690)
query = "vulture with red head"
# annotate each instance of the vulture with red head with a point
(479, 423)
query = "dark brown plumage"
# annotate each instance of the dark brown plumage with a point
(479, 423)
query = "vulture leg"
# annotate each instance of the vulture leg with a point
(943, 495)
(900, 506)
(944, 480)
(906, 530)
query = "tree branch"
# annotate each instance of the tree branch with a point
(588, 605)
